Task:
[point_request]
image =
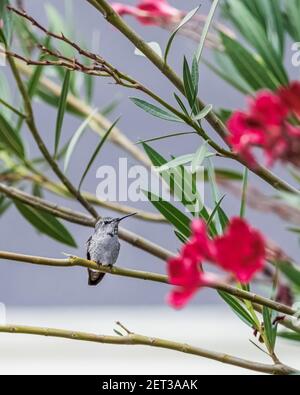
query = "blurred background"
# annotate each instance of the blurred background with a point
(61, 297)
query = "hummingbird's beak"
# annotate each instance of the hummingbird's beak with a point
(126, 216)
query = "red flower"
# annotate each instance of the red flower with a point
(150, 12)
(187, 276)
(241, 250)
(266, 125)
(290, 95)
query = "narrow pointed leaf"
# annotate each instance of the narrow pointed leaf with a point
(290, 336)
(155, 111)
(97, 150)
(10, 138)
(46, 223)
(270, 329)
(184, 21)
(290, 271)
(203, 113)
(238, 309)
(75, 139)
(5, 17)
(206, 29)
(244, 194)
(171, 213)
(199, 158)
(61, 109)
(165, 137)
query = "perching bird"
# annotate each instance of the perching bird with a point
(103, 246)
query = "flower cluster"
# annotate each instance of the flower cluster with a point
(150, 12)
(268, 124)
(240, 251)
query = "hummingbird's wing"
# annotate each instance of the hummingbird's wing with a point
(88, 255)
(94, 276)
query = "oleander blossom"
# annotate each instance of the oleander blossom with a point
(240, 251)
(150, 12)
(267, 125)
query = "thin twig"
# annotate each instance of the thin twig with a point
(98, 122)
(266, 204)
(114, 19)
(82, 219)
(155, 277)
(30, 121)
(136, 339)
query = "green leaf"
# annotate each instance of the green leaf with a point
(179, 161)
(165, 137)
(58, 25)
(171, 213)
(110, 107)
(75, 139)
(4, 204)
(290, 336)
(244, 193)
(215, 210)
(184, 21)
(290, 271)
(226, 174)
(221, 216)
(198, 158)
(97, 150)
(61, 109)
(189, 84)
(182, 160)
(254, 33)
(10, 138)
(228, 72)
(155, 111)
(46, 223)
(206, 29)
(270, 329)
(255, 73)
(238, 309)
(5, 17)
(37, 74)
(185, 195)
(203, 113)
(181, 237)
(6, 95)
(292, 10)
(181, 105)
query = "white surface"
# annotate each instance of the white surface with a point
(207, 327)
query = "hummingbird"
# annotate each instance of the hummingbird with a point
(103, 246)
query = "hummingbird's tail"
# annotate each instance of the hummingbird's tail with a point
(95, 277)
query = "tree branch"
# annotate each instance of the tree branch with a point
(155, 277)
(98, 122)
(136, 339)
(82, 219)
(30, 121)
(114, 19)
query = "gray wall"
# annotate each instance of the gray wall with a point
(23, 284)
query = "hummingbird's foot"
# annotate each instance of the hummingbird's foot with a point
(106, 265)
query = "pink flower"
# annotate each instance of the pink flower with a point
(290, 95)
(150, 12)
(187, 277)
(266, 125)
(241, 250)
